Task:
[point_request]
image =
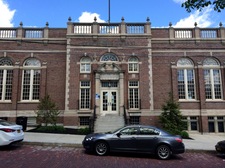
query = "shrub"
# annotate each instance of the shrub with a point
(47, 111)
(83, 131)
(184, 134)
(51, 129)
(171, 118)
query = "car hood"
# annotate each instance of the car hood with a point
(221, 142)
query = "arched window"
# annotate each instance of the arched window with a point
(31, 80)
(109, 57)
(6, 76)
(133, 65)
(186, 79)
(212, 79)
(85, 65)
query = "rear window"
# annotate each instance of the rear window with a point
(5, 123)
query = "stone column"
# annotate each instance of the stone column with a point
(97, 91)
(121, 93)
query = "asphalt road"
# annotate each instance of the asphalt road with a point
(27, 156)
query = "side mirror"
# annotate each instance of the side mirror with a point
(118, 134)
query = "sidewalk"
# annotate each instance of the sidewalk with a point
(205, 142)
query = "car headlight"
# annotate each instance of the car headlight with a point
(89, 139)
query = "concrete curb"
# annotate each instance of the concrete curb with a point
(52, 144)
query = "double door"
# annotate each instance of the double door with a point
(109, 101)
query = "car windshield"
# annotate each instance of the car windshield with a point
(115, 131)
(5, 123)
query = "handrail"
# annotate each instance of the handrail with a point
(92, 120)
(126, 120)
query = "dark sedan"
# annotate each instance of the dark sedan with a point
(135, 138)
(220, 147)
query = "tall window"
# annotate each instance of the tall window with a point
(186, 79)
(31, 80)
(6, 75)
(85, 95)
(212, 79)
(85, 65)
(133, 64)
(133, 94)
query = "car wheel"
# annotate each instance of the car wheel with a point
(163, 152)
(101, 148)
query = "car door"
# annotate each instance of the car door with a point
(125, 140)
(147, 139)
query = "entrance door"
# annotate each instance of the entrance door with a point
(109, 101)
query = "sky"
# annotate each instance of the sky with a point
(35, 13)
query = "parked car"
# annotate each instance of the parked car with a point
(220, 147)
(135, 138)
(10, 133)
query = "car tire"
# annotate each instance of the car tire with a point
(163, 152)
(101, 148)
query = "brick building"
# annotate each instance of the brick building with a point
(114, 69)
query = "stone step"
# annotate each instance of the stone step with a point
(108, 123)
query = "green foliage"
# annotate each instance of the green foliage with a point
(171, 118)
(51, 129)
(189, 5)
(184, 134)
(47, 111)
(83, 131)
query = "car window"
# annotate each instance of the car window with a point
(148, 131)
(5, 123)
(129, 131)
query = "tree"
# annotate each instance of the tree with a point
(47, 111)
(189, 5)
(171, 118)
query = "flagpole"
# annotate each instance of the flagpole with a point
(109, 12)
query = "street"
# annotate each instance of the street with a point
(27, 156)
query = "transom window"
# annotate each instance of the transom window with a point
(109, 57)
(212, 79)
(31, 80)
(109, 83)
(186, 79)
(6, 76)
(133, 65)
(85, 65)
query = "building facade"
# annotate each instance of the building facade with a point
(125, 69)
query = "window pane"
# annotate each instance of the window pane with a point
(208, 91)
(31, 85)
(8, 87)
(36, 84)
(217, 84)
(26, 84)
(133, 94)
(181, 84)
(1, 83)
(191, 84)
(85, 95)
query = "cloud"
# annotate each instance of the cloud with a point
(179, 1)
(6, 15)
(89, 17)
(203, 19)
